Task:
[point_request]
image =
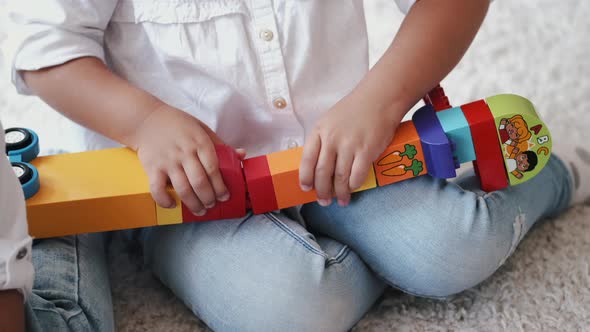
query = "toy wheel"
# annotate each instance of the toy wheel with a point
(17, 138)
(23, 172)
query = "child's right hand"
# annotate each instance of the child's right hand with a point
(175, 147)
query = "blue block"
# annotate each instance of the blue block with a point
(455, 125)
(438, 150)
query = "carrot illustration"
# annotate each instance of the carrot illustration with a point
(401, 170)
(396, 156)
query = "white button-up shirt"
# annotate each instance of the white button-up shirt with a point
(258, 72)
(16, 269)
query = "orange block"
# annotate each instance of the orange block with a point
(403, 158)
(90, 192)
(284, 161)
(287, 190)
(284, 169)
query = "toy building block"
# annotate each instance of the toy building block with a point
(489, 165)
(261, 191)
(456, 127)
(108, 189)
(273, 181)
(22, 146)
(284, 169)
(525, 141)
(90, 192)
(403, 158)
(437, 98)
(170, 216)
(370, 181)
(438, 150)
(230, 167)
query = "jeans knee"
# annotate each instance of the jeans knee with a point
(446, 270)
(286, 311)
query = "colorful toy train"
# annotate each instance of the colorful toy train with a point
(108, 190)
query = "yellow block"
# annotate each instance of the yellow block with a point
(170, 216)
(370, 181)
(90, 192)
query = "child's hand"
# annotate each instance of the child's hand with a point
(339, 152)
(175, 147)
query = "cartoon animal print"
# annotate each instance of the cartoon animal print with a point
(514, 133)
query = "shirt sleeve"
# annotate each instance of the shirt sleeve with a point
(51, 32)
(405, 5)
(16, 269)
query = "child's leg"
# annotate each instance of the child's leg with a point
(265, 273)
(71, 290)
(434, 238)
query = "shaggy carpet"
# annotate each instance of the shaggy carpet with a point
(535, 48)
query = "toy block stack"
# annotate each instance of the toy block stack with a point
(108, 190)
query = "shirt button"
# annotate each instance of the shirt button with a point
(266, 35)
(280, 103)
(292, 144)
(21, 253)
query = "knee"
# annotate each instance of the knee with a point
(445, 271)
(442, 261)
(43, 314)
(284, 311)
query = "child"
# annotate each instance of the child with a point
(263, 75)
(16, 269)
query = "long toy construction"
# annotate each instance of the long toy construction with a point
(107, 190)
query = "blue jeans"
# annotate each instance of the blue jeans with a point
(425, 236)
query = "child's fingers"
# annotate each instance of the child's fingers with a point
(208, 158)
(212, 135)
(309, 160)
(185, 191)
(344, 161)
(199, 181)
(324, 173)
(359, 171)
(158, 182)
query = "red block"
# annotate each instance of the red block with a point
(260, 187)
(438, 99)
(489, 164)
(231, 170)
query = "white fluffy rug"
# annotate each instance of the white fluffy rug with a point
(535, 48)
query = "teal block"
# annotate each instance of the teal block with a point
(457, 129)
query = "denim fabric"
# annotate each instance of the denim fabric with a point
(266, 272)
(71, 291)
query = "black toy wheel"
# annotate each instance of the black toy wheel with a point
(23, 172)
(17, 138)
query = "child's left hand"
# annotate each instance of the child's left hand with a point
(346, 140)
